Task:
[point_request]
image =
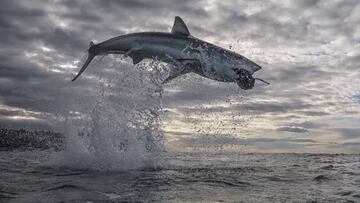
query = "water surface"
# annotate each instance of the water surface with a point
(189, 177)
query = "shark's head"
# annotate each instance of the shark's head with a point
(239, 69)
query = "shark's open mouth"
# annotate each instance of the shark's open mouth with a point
(245, 80)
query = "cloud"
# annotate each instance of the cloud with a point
(355, 144)
(292, 129)
(23, 124)
(308, 125)
(218, 140)
(349, 133)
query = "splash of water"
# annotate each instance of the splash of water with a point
(119, 128)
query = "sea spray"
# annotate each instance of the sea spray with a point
(118, 129)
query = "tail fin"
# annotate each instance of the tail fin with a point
(90, 57)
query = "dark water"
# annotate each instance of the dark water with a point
(196, 177)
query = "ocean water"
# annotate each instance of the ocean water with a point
(188, 177)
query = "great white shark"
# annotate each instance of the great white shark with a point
(184, 52)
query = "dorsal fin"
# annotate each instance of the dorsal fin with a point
(179, 27)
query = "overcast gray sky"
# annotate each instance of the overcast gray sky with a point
(309, 51)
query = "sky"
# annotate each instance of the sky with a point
(309, 51)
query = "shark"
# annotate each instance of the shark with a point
(184, 52)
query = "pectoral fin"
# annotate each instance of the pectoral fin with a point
(136, 54)
(181, 67)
